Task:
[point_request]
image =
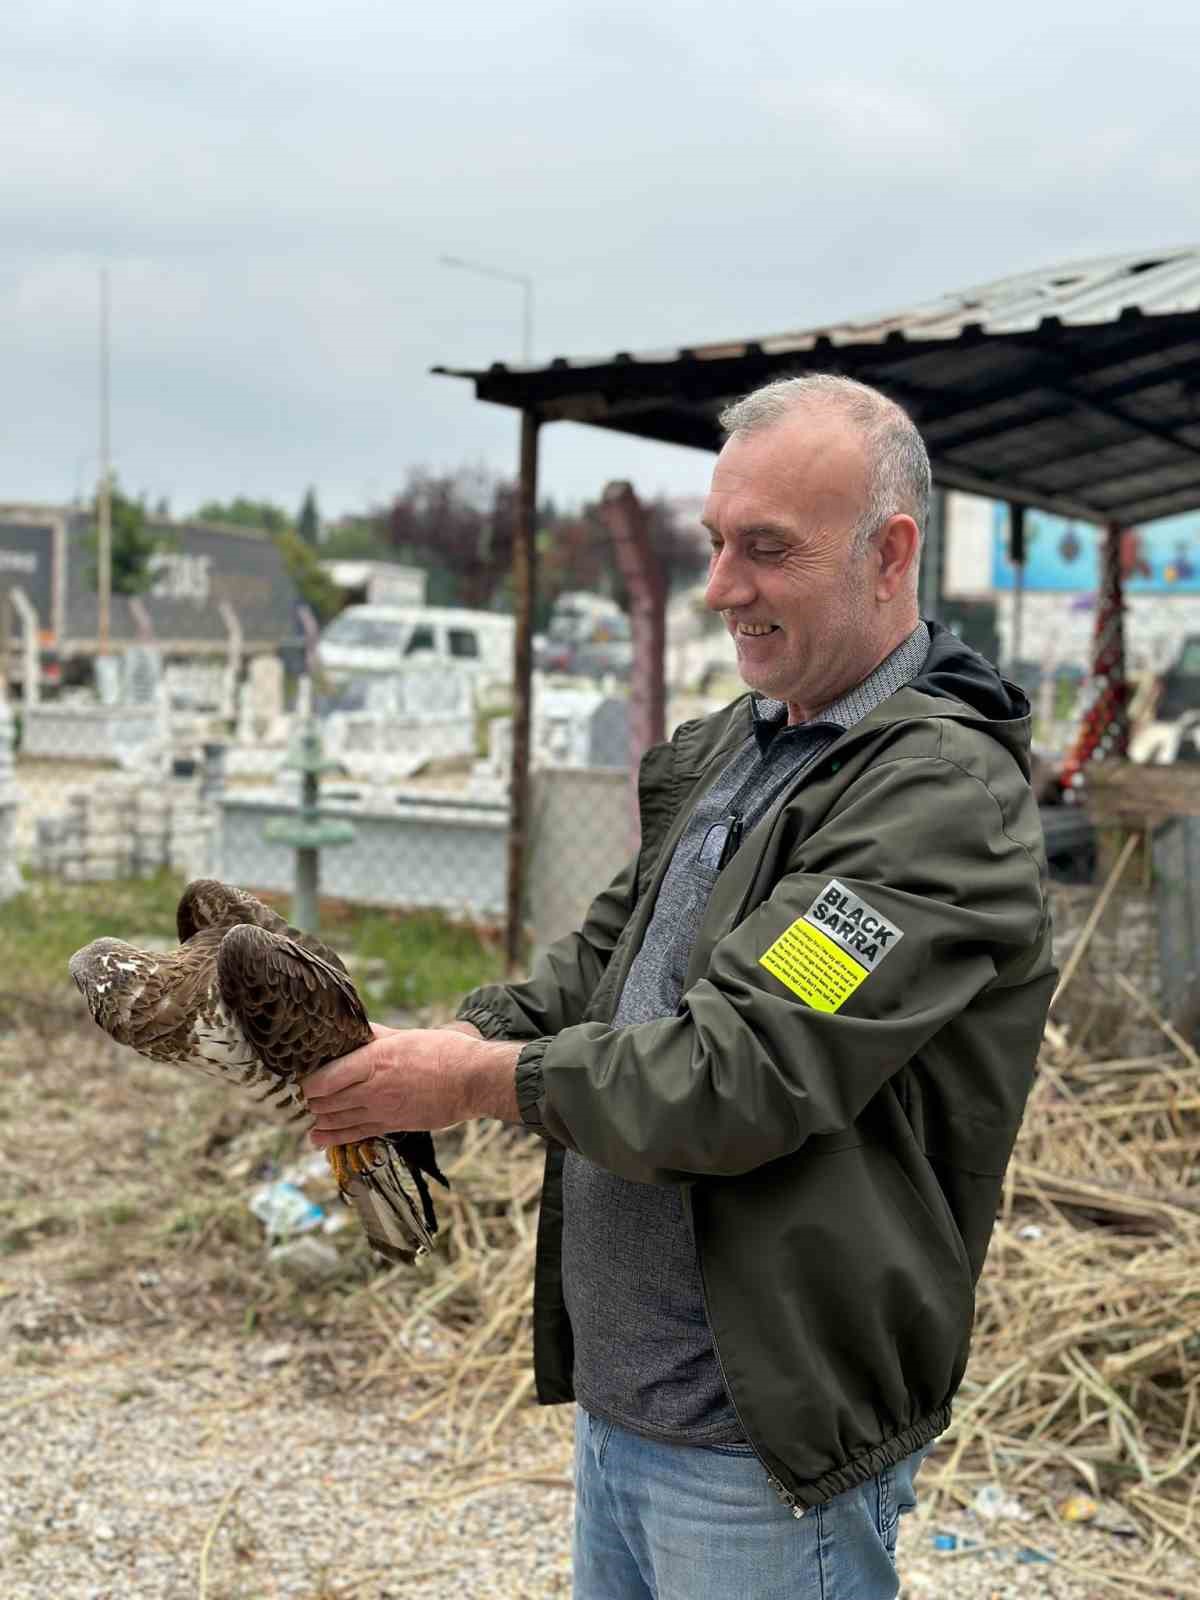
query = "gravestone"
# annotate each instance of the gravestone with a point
(261, 709)
(108, 676)
(143, 675)
(608, 734)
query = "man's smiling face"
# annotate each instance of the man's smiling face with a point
(799, 602)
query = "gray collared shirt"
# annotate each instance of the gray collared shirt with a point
(644, 1356)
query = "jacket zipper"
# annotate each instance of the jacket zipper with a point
(780, 1488)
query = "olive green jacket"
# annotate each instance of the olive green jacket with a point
(838, 1093)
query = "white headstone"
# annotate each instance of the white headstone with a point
(108, 677)
(143, 675)
(265, 681)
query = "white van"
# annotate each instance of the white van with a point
(365, 639)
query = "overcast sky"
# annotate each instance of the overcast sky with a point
(271, 186)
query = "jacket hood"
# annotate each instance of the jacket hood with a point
(953, 671)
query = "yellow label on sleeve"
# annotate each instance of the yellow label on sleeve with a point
(812, 966)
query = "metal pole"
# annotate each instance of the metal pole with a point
(1016, 552)
(104, 494)
(307, 887)
(524, 591)
(625, 519)
(1110, 654)
(932, 559)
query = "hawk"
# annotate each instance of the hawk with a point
(255, 1002)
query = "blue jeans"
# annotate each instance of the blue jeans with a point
(675, 1522)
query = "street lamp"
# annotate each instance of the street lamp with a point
(508, 277)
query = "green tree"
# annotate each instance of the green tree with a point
(244, 513)
(313, 583)
(358, 538)
(131, 544)
(308, 523)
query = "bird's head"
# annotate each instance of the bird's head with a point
(110, 974)
(209, 903)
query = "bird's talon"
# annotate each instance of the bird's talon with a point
(364, 1156)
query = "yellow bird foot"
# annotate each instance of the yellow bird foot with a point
(347, 1161)
(364, 1157)
(336, 1156)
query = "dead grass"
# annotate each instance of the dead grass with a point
(129, 1182)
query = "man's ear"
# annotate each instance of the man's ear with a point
(898, 544)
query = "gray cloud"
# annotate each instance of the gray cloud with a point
(271, 187)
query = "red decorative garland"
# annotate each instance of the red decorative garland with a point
(1104, 732)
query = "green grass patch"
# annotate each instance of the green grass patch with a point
(427, 959)
(417, 959)
(41, 928)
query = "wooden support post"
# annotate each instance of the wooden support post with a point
(524, 591)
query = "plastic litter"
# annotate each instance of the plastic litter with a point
(1078, 1508)
(1029, 1557)
(991, 1502)
(951, 1541)
(310, 1168)
(284, 1210)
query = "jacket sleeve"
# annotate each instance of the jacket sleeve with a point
(556, 994)
(747, 1070)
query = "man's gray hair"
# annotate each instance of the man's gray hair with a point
(898, 475)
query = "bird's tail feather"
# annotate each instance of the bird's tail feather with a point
(391, 1220)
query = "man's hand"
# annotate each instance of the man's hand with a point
(412, 1079)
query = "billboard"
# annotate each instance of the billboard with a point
(1161, 558)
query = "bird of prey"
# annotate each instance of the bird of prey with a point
(255, 1002)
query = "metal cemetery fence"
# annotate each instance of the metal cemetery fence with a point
(126, 786)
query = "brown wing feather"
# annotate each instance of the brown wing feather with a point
(297, 1010)
(153, 1012)
(209, 903)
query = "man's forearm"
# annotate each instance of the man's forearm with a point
(493, 1075)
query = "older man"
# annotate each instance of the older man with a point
(781, 1066)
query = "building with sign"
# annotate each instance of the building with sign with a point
(210, 583)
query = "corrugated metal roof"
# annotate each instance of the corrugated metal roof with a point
(1076, 387)
(1078, 293)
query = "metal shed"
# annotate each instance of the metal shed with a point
(1075, 389)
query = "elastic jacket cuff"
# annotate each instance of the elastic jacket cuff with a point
(531, 1087)
(490, 1023)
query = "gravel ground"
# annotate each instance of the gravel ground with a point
(216, 1468)
(181, 1423)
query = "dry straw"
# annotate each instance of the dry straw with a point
(1085, 1368)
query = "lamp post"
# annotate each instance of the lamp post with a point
(507, 277)
(104, 489)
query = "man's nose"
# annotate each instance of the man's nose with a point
(730, 582)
